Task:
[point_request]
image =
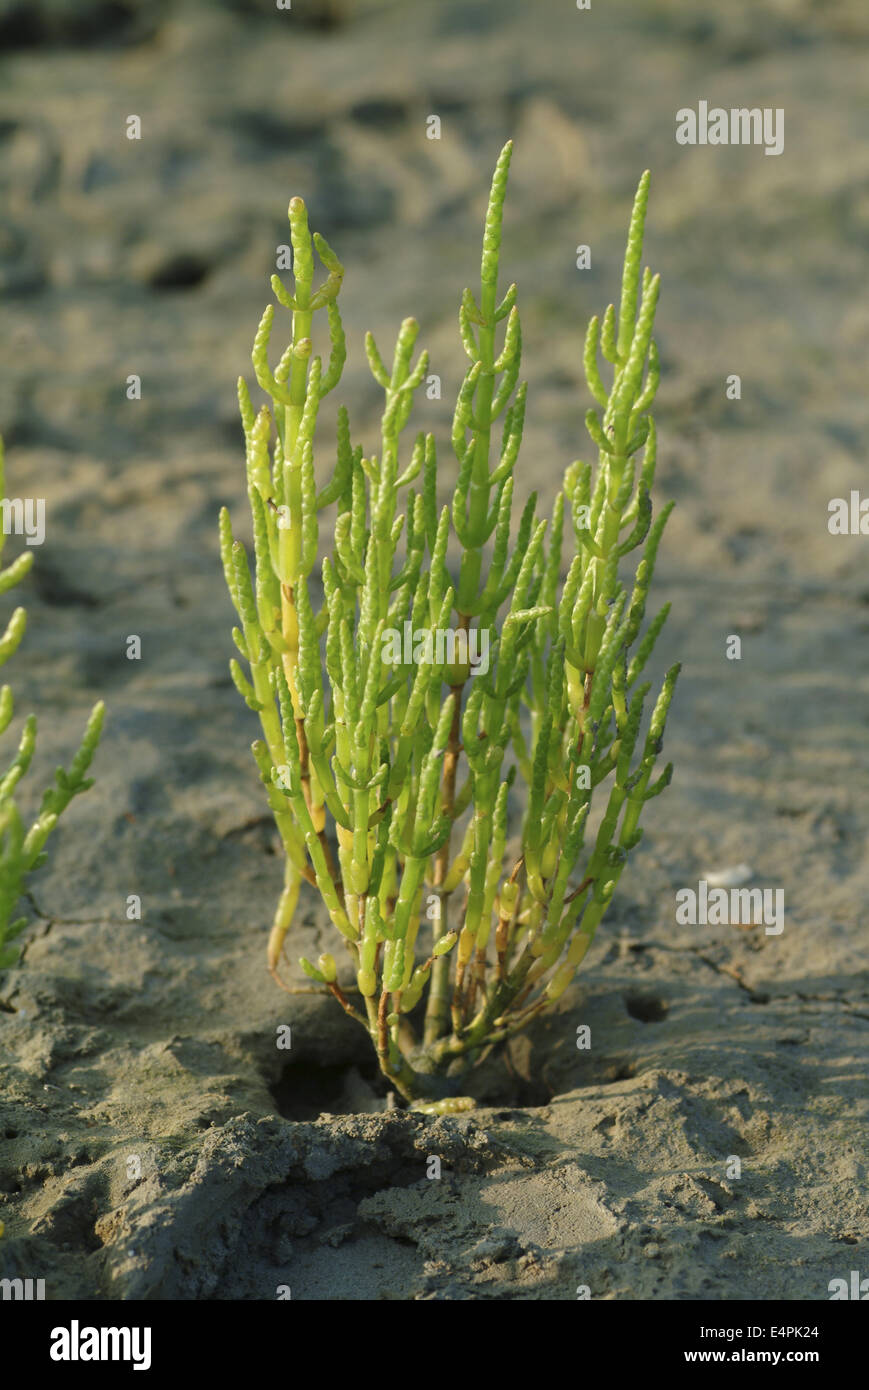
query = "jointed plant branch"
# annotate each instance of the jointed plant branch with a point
(22, 851)
(383, 728)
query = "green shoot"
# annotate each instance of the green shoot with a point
(21, 849)
(402, 691)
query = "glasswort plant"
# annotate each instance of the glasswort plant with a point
(21, 852)
(393, 745)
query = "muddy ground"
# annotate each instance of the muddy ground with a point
(711, 1143)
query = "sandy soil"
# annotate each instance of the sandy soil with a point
(155, 1142)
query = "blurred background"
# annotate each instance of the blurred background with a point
(153, 256)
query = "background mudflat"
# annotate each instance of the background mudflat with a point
(156, 1040)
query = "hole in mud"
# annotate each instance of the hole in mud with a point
(55, 588)
(526, 1093)
(616, 1071)
(182, 272)
(380, 113)
(646, 1008)
(348, 1081)
(306, 1090)
(317, 14)
(106, 24)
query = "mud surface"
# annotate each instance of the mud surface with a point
(155, 1142)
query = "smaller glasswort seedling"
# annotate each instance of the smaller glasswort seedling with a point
(402, 690)
(22, 851)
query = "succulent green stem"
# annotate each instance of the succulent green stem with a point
(408, 705)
